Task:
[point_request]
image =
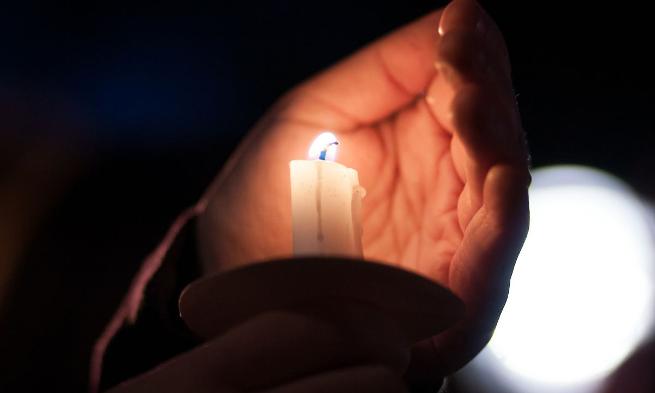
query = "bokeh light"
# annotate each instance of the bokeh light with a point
(581, 296)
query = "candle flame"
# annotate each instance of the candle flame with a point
(324, 147)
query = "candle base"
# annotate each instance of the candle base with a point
(420, 307)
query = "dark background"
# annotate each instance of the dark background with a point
(114, 116)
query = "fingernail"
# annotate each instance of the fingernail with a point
(461, 14)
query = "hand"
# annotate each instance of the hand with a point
(328, 348)
(428, 118)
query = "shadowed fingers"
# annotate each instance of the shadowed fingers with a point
(361, 379)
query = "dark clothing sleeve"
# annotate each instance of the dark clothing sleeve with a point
(147, 329)
(158, 333)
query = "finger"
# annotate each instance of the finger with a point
(196, 371)
(488, 127)
(468, 57)
(468, 16)
(480, 275)
(361, 379)
(459, 13)
(483, 140)
(277, 347)
(283, 346)
(465, 55)
(372, 83)
(488, 143)
(477, 105)
(491, 244)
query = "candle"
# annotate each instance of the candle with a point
(325, 203)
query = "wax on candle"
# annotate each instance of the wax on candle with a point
(325, 203)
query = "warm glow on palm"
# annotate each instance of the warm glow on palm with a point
(439, 150)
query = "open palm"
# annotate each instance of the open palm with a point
(427, 118)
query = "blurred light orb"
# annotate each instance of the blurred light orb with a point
(582, 294)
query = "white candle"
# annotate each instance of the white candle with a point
(325, 203)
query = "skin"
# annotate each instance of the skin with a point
(331, 350)
(427, 117)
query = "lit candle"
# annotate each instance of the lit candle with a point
(325, 203)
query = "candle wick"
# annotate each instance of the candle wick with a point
(319, 212)
(325, 149)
